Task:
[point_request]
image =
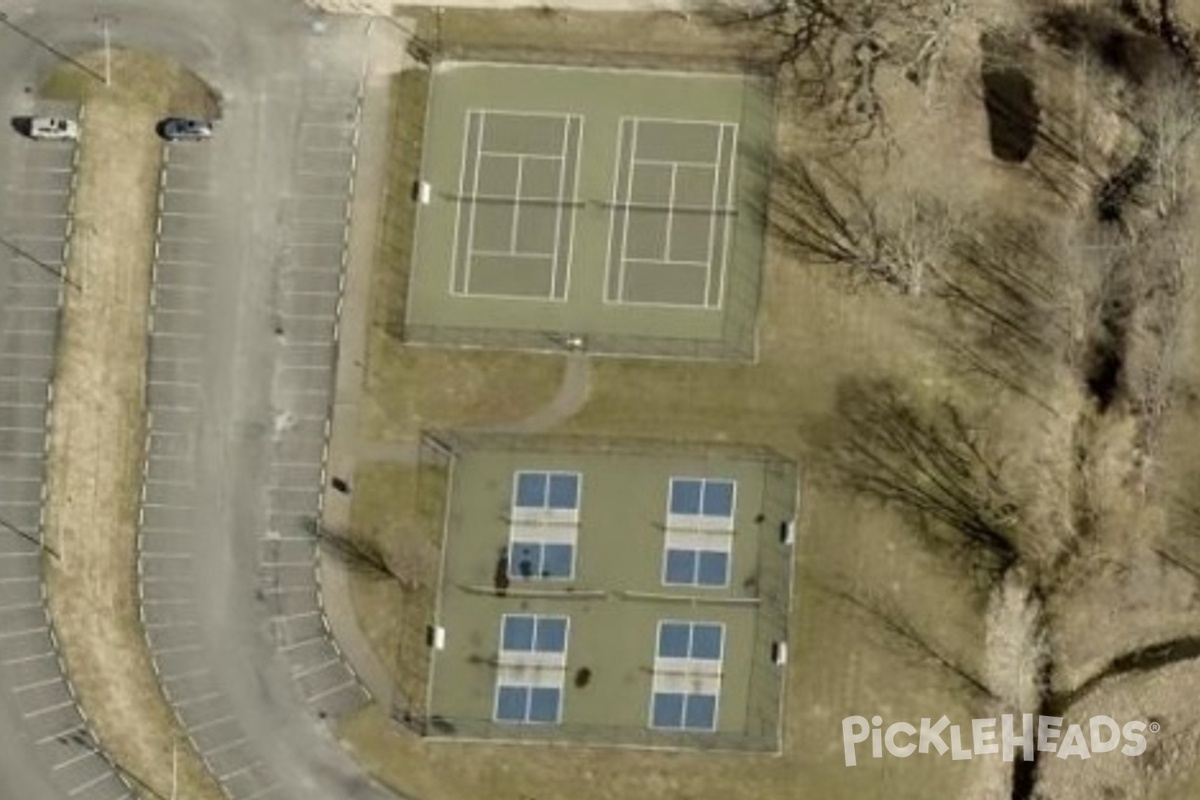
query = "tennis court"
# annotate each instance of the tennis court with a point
(671, 212)
(516, 210)
(607, 204)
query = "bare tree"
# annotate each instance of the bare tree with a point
(835, 51)
(1168, 115)
(356, 553)
(932, 464)
(824, 217)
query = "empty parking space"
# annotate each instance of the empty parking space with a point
(170, 534)
(315, 218)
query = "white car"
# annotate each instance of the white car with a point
(53, 128)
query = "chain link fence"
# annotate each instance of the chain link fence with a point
(772, 593)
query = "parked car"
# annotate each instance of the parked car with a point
(184, 129)
(53, 128)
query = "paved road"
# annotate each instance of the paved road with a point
(236, 446)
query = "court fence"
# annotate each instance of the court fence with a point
(738, 336)
(410, 690)
(428, 51)
(764, 719)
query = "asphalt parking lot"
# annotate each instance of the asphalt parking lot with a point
(168, 534)
(315, 219)
(35, 217)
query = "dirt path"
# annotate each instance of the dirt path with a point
(94, 468)
(572, 395)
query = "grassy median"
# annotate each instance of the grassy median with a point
(95, 459)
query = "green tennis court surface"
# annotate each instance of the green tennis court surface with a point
(609, 592)
(611, 205)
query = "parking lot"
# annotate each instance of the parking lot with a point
(170, 533)
(315, 217)
(35, 219)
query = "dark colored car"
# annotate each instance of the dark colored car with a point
(176, 129)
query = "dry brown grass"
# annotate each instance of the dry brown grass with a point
(622, 38)
(398, 508)
(94, 468)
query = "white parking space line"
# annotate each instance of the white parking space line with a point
(304, 673)
(202, 698)
(227, 746)
(41, 712)
(212, 723)
(12, 662)
(75, 759)
(15, 634)
(74, 730)
(105, 775)
(302, 643)
(332, 690)
(261, 792)
(240, 771)
(179, 648)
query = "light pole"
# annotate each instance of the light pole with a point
(107, 55)
(4, 20)
(106, 21)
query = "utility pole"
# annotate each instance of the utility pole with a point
(58, 273)
(4, 20)
(107, 54)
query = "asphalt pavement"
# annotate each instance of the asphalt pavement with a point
(246, 300)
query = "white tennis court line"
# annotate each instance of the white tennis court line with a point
(462, 177)
(663, 163)
(532, 156)
(712, 223)
(562, 179)
(566, 292)
(516, 220)
(671, 217)
(625, 213)
(506, 253)
(633, 161)
(729, 200)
